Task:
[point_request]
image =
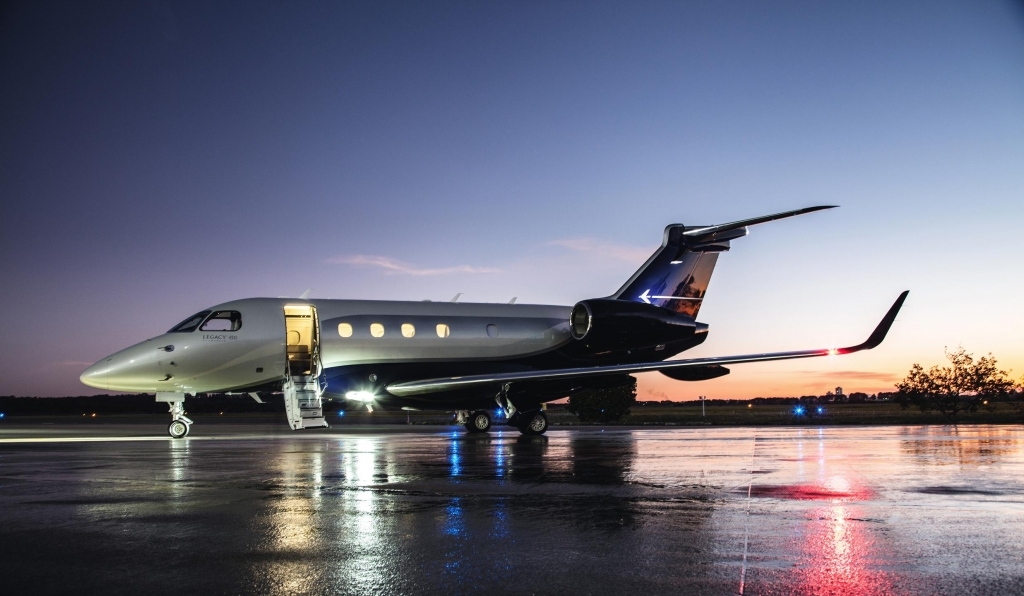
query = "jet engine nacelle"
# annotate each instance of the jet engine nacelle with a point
(604, 323)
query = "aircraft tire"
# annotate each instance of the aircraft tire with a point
(537, 424)
(177, 429)
(479, 422)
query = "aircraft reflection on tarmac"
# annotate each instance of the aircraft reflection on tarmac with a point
(794, 510)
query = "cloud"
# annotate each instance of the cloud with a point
(394, 266)
(592, 246)
(851, 375)
(658, 394)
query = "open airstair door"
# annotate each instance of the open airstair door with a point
(302, 391)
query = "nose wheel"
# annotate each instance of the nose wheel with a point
(178, 429)
(180, 423)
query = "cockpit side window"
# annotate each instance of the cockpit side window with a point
(190, 324)
(223, 320)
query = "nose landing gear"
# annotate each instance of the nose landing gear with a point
(180, 423)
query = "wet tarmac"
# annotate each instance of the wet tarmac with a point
(119, 509)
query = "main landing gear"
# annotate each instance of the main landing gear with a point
(478, 421)
(475, 422)
(534, 422)
(529, 422)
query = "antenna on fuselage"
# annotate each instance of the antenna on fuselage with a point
(513, 300)
(305, 294)
(456, 298)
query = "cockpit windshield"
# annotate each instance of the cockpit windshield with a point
(190, 324)
(223, 320)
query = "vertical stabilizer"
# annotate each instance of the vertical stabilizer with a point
(676, 276)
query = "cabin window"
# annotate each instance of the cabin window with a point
(408, 330)
(345, 329)
(492, 330)
(443, 330)
(223, 320)
(190, 324)
(377, 330)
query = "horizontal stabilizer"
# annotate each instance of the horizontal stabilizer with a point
(707, 231)
(453, 383)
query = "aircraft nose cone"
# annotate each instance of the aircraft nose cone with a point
(94, 375)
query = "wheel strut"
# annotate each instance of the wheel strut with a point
(504, 402)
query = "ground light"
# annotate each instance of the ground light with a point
(363, 396)
(799, 410)
(2, 415)
(820, 410)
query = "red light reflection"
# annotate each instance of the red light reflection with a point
(811, 492)
(838, 551)
(840, 555)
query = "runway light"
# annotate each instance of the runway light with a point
(2, 414)
(821, 410)
(94, 414)
(750, 405)
(799, 410)
(341, 413)
(363, 396)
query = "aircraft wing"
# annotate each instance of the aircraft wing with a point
(447, 384)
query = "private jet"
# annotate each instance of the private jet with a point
(451, 356)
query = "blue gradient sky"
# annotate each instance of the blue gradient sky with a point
(158, 158)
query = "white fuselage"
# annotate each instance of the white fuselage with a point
(351, 332)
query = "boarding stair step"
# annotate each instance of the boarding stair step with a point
(320, 422)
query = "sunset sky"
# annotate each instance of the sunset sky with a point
(161, 157)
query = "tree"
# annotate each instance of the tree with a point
(604, 405)
(952, 390)
(1018, 398)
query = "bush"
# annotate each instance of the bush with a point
(604, 405)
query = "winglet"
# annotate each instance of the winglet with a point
(883, 328)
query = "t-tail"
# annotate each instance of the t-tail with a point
(677, 274)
